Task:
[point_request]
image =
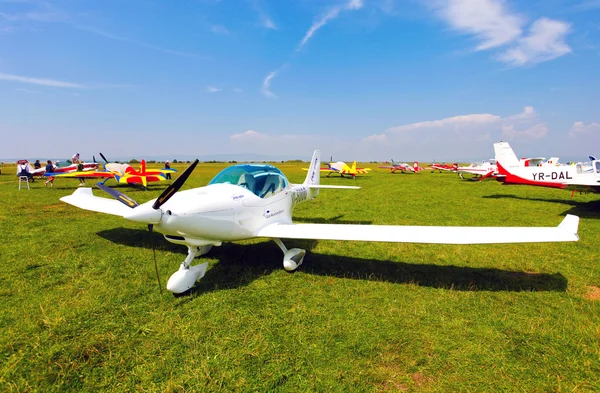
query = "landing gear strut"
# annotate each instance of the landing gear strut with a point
(183, 279)
(292, 258)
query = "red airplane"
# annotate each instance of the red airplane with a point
(444, 167)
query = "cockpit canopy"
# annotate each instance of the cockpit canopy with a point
(263, 180)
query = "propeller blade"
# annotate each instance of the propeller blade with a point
(104, 158)
(94, 158)
(119, 196)
(174, 187)
(150, 228)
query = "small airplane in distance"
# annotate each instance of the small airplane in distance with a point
(248, 201)
(344, 170)
(122, 173)
(479, 171)
(402, 167)
(443, 167)
(583, 177)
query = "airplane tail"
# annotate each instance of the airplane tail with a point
(505, 156)
(353, 169)
(553, 161)
(313, 177)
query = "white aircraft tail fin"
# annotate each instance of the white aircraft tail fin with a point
(505, 155)
(313, 177)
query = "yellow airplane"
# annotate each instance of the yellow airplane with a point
(343, 169)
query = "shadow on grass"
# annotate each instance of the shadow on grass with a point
(578, 208)
(239, 265)
(332, 220)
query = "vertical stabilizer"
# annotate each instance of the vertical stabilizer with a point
(313, 177)
(505, 155)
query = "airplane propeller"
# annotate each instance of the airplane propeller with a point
(174, 187)
(104, 158)
(161, 200)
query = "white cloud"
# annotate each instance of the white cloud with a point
(378, 138)
(212, 89)
(489, 20)
(580, 129)
(528, 113)
(537, 131)
(332, 13)
(495, 26)
(455, 122)
(266, 86)
(41, 81)
(545, 41)
(218, 29)
(249, 135)
(478, 127)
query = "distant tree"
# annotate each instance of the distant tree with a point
(69, 162)
(175, 161)
(151, 162)
(233, 162)
(134, 161)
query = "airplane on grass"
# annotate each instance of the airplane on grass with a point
(250, 200)
(87, 166)
(402, 167)
(479, 171)
(579, 177)
(344, 170)
(443, 167)
(122, 173)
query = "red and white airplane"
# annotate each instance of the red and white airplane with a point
(402, 167)
(532, 171)
(479, 171)
(584, 177)
(444, 167)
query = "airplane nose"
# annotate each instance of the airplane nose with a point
(144, 214)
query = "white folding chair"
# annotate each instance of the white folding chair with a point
(24, 179)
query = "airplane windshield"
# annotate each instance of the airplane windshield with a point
(263, 180)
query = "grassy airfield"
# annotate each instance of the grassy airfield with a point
(80, 308)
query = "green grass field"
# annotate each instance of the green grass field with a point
(81, 309)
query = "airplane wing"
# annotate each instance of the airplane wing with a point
(591, 184)
(566, 231)
(83, 198)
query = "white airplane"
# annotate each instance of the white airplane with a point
(250, 200)
(584, 179)
(531, 171)
(480, 171)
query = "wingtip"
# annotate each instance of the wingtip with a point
(570, 224)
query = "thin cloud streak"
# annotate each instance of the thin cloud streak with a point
(266, 86)
(105, 34)
(327, 16)
(42, 81)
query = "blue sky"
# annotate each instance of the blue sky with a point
(358, 79)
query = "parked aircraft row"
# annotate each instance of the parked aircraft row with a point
(122, 173)
(255, 200)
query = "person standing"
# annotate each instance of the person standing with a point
(49, 169)
(168, 166)
(80, 169)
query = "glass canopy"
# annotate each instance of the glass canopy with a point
(263, 180)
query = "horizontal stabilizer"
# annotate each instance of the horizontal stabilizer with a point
(565, 232)
(83, 198)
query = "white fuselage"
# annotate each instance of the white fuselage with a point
(225, 212)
